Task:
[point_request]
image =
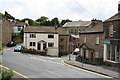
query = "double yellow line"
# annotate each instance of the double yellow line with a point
(63, 62)
(19, 74)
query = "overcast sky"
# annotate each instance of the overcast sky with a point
(63, 9)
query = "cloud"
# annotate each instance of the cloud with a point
(63, 9)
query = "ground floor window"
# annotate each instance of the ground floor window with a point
(32, 43)
(50, 44)
(113, 53)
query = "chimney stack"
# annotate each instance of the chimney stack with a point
(119, 7)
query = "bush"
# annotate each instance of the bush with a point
(33, 51)
(7, 75)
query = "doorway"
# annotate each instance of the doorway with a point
(39, 46)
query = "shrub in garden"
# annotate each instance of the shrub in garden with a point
(7, 75)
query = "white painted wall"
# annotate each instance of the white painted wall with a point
(39, 37)
(15, 29)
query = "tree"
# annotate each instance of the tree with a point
(42, 19)
(55, 22)
(8, 16)
(30, 21)
(64, 21)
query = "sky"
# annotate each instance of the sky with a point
(63, 9)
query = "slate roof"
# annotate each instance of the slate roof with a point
(115, 17)
(18, 23)
(95, 29)
(77, 24)
(46, 29)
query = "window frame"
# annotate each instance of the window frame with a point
(111, 30)
(50, 43)
(97, 40)
(50, 36)
(32, 35)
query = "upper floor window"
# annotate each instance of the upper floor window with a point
(50, 36)
(97, 40)
(85, 39)
(71, 30)
(32, 35)
(111, 30)
(19, 28)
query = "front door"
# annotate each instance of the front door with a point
(84, 53)
(44, 46)
(92, 57)
(39, 46)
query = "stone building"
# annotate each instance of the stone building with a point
(91, 43)
(40, 38)
(112, 39)
(5, 31)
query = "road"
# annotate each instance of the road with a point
(34, 66)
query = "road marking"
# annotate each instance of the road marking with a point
(85, 70)
(53, 73)
(46, 60)
(19, 74)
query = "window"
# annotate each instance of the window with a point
(19, 28)
(61, 39)
(97, 55)
(71, 30)
(50, 44)
(87, 53)
(50, 36)
(113, 53)
(85, 40)
(111, 30)
(76, 31)
(32, 43)
(81, 52)
(97, 40)
(32, 35)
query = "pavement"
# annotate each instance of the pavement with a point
(101, 69)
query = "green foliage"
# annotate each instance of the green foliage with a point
(55, 22)
(1, 15)
(8, 16)
(6, 75)
(64, 21)
(42, 19)
(30, 21)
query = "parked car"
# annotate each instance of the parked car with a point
(18, 48)
(11, 44)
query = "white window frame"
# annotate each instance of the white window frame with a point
(97, 40)
(85, 40)
(111, 31)
(32, 35)
(87, 53)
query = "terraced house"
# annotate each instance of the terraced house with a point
(91, 43)
(42, 38)
(74, 28)
(112, 39)
(5, 31)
